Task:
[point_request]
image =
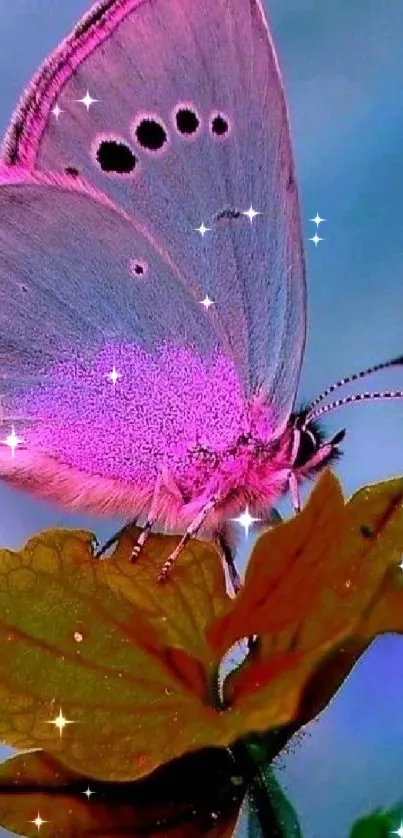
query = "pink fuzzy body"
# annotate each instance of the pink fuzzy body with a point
(95, 446)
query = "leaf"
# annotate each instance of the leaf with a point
(134, 665)
(315, 586)
(197, 795)
(284, 573)
(379, 824)
(181, 610)
(125, 659)
(378, 588)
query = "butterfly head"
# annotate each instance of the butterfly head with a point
(311, 451)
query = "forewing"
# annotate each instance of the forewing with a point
(149, 59)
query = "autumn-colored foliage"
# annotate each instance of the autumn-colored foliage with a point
(135, 668)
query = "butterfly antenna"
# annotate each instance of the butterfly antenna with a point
(355, 397)
(354, 377)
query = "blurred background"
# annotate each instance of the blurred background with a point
(343, 72)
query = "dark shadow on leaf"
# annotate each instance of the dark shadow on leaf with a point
(199, 794)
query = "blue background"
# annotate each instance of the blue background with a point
(343, 71)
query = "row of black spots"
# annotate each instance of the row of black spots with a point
(151, 133)
(188, 122)
(115, 156)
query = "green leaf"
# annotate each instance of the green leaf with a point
(379, 824)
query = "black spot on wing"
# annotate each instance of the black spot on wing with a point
(187, 121)
(116, 157)
(151, 134)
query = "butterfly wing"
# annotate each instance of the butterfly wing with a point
(101, 261)
(78, 313)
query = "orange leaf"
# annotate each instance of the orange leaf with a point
(181, 610)
(195, 796)
(286, 570)
(308, 660)
(125, 660)
(384, 614)
(130, 664)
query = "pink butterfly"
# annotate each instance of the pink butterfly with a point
(152, 293)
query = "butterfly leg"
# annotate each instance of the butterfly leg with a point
(115, 537)
(142, 538)
(294, 492)
(151, 519)
(192, 529)
(226, 552)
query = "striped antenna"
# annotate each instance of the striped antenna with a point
(354, 377)
(354, 397)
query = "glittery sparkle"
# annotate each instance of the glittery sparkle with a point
(87, 100)
(245, 520)
(317, 220)
(38, 821)
(12, 440)
(56, 111)
(316, 239)
(207, 302)
(202, 229)
(113, 375)
(251, 213)
(60, 722)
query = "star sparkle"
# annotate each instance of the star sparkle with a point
(207, 302)
(317, 220)
(87, 100)
(251, 213)
(245, 520)
(60, 722)
(13, 441)
(114, 375)
(38, 821)
(399, 831)
(202, 229)
(316, 239)
(88, 792)
(56, 111)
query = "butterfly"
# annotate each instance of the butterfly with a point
(152, 280)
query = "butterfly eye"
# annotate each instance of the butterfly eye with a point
(115, 157)
(219, 125)
(308, 446)
(150, 133)
(187, 120)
